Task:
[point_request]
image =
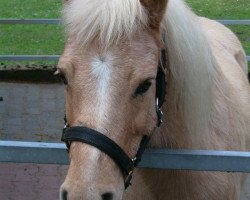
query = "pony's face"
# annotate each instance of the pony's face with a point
(109, 65)
(113, 92)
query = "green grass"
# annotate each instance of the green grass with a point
(30, 8)
(31, 39)
(222, 9)
(49, 39)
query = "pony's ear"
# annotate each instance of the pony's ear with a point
(156, 10)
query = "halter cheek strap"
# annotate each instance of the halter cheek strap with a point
(161, 85)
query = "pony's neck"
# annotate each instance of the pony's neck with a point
(193, 72)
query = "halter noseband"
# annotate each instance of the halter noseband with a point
(108, 146)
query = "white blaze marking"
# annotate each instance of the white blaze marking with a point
(101, 68)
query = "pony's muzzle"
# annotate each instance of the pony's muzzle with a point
(65, 195)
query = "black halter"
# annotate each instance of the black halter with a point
(108, 146)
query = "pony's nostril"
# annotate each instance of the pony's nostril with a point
(64, 195)
(107, 196)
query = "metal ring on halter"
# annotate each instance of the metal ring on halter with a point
(159, 113)
(66, 124)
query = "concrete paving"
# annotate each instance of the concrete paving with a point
(30, 181)
(32, 112)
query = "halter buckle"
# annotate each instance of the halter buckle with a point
(66, 124)
(159, 113)
(128, 179)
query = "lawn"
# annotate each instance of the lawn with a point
(49, 39)
(222, 9)
(31, 39)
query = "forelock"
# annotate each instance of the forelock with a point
(109, 21)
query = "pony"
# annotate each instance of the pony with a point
(109, 67)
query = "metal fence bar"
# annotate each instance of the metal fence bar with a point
(29, 57)
(33, 152)
(59, 21)
(198, 160)
(235, 22)
(39, 58)
(30, 21)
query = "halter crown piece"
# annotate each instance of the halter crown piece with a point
(108, 146)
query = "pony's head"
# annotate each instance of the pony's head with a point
(109, 67)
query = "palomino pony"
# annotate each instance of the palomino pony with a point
(110, 66)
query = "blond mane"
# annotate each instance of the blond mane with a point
(107, 20)
(193, 68)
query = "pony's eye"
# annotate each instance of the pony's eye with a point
(62, 78)
(143, 87)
